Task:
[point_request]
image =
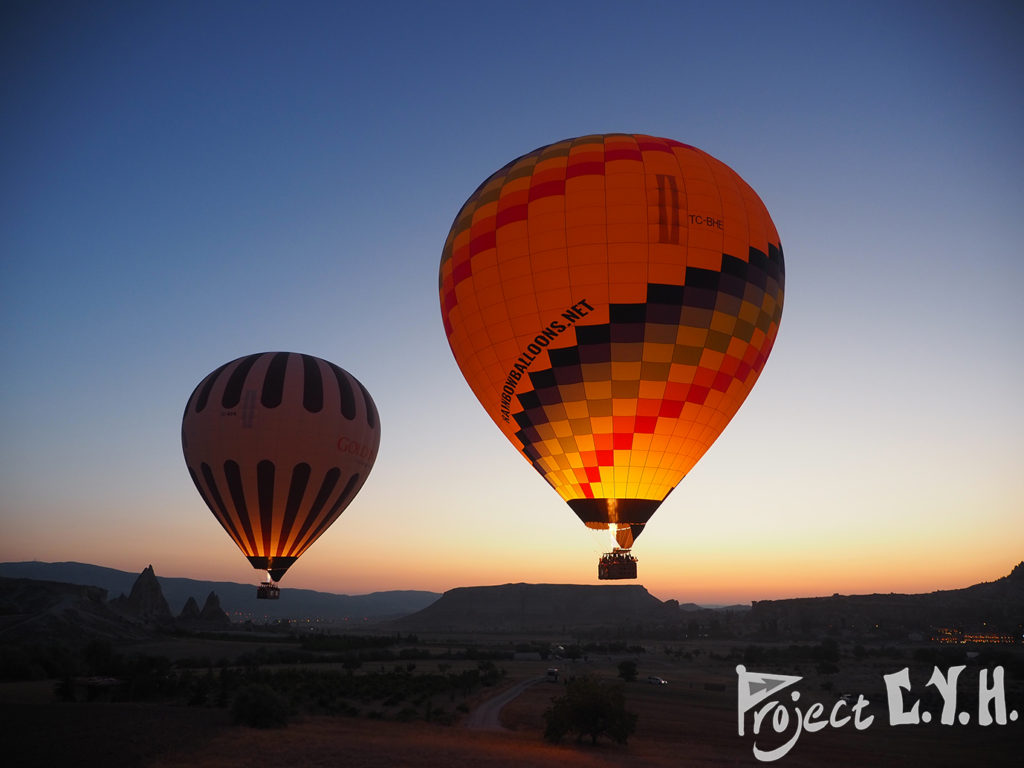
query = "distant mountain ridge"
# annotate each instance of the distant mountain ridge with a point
(238, 600)
(996, 605)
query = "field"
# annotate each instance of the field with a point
(691, 721)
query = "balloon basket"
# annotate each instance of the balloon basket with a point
(617, 564)
(268, 591)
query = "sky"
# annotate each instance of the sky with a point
(185, 183)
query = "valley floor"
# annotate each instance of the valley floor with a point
(692, 721)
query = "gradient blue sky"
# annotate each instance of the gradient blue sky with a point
(184, 183)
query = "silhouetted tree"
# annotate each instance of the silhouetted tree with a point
(627, 671)
(590, 708)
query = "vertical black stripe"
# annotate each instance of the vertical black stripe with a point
(206, 386)
(674, 201)
(312, 385)
(326, 488)
(668, 209)
(273, 384)
(234, 478)
(233, 391)
(297, 489)
(371, 409)
(348, 400)
(265, 493)
(337, 508)
(220, 510)
(662, 209)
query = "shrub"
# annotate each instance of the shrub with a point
(257, 705)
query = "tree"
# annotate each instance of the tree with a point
(627, 671)
(591, 708)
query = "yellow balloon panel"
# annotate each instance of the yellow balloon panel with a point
(277, 445)
(611, 301)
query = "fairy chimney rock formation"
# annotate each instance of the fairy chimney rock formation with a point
(190, 612)
(146, 600)
(212, 613)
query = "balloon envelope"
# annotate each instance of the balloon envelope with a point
(277, 445)
(611, 300)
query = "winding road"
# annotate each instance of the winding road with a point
(486, 716)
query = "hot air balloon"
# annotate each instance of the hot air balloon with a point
(278, 444)
(611, 300)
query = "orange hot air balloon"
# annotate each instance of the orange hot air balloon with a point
(611, 300)
(278, 444)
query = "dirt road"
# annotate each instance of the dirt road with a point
(486, 717)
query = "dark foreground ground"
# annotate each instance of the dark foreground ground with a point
(692, 721)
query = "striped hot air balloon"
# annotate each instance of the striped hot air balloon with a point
(611, 300)
(278, 444)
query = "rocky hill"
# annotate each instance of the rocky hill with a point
(995, 607)
(74, 614)
(238, 600)
(523, 607)
(31, 609)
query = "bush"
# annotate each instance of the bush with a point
(259, 706)
(589, 708)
